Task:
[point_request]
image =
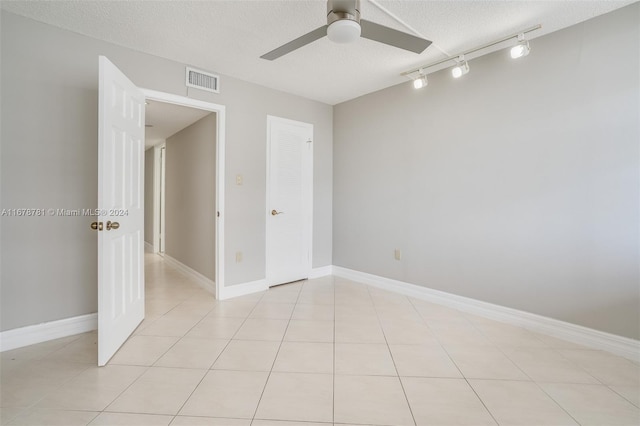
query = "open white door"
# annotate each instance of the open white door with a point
(121, 205)
(289, 200)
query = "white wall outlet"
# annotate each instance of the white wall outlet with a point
(238, 256)
(239, 180)
(397, 254)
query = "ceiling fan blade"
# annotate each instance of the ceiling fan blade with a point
(392, 37)
(296, 44)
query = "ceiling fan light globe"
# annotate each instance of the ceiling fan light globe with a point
(344, 31)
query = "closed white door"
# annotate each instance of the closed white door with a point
(121, 209)
(289, 200)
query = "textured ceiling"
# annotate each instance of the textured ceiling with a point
(228, 37)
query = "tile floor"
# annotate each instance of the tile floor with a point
(320, 352)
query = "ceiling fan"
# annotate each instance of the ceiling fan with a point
(344, 26)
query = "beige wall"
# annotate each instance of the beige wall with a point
(190, 205)
(148, 195)
(517, 184)
(49, 86)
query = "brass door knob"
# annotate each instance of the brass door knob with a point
(96, 226)
(275, 212)
(112, 225)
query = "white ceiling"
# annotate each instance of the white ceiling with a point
(165, 120)
(228, 37)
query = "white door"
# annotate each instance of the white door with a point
(289, 200)
(121, 205)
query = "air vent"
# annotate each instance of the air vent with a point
(203, 80)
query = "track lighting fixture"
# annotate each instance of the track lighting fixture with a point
(462, 66)
(521, 49)
(420, 81)
(461, 69)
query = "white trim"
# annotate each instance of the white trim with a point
(220, 111)
(202, 281)
(623, 346)
(148, 247)
(322, 271)
(158, 196)
(244, 289)
(32, 334)
(307, 201)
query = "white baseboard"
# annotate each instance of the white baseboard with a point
(30, 335)
(148, 247)
(322, 271)
(623, 346)
(202, 281)
(243, 289)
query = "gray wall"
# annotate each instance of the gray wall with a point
(49, 83)
(190, 205)
(517, 184)
(148, 195)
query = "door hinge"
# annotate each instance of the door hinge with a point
(218, 214)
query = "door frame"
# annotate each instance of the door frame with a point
(309, 222)
(158, 196)
(170, 98)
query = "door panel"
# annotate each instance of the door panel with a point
(120, 200)
(289, 200)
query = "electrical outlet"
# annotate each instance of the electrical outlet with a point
(238, 256)
(397, 254)
(239, 180)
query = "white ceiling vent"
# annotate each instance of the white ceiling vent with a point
(203, 80)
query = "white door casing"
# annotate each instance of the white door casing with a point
(121, 200)
(289, 200)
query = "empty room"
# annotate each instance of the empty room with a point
(312, 213)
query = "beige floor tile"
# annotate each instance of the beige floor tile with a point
(158, 391)
(352, 298)
(609, 369)
(127, 419)
(555, 343)
(504, 335)
(9, 413)
(371, 400)
(457, 334)
(37, 351)
(305, 357)
(93, 390)
(519, 403)
(282, 294)
(17, 395)
(593, 404)
(445, 402)
(396, 313)
(407, 333)
(484, 362)
(143, 350)
(216, 328)
(423, 361)
(262, 329)
(247, 355)
(192, 353)
(208, 421)
(351, 331)
(267, 310)
(432, 311)
(310, 311)
(84, 350)
(317, 298)
(309, 331)
(217, 394)
(631, 393)
(365, 359)
(287, 423)
(42, 417)
(365, 312)
(171, 325)
(547, 365)
(199, 306)
(232, 309)
(297, 396)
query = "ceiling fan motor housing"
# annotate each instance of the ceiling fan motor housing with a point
(338, 10)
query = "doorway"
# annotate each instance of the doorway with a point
(161, 154)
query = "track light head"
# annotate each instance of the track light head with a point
(521, 49)
(420, 81)
(461, 69)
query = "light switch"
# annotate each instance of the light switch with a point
(239, 180)
(238, 256)
(397, 254)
